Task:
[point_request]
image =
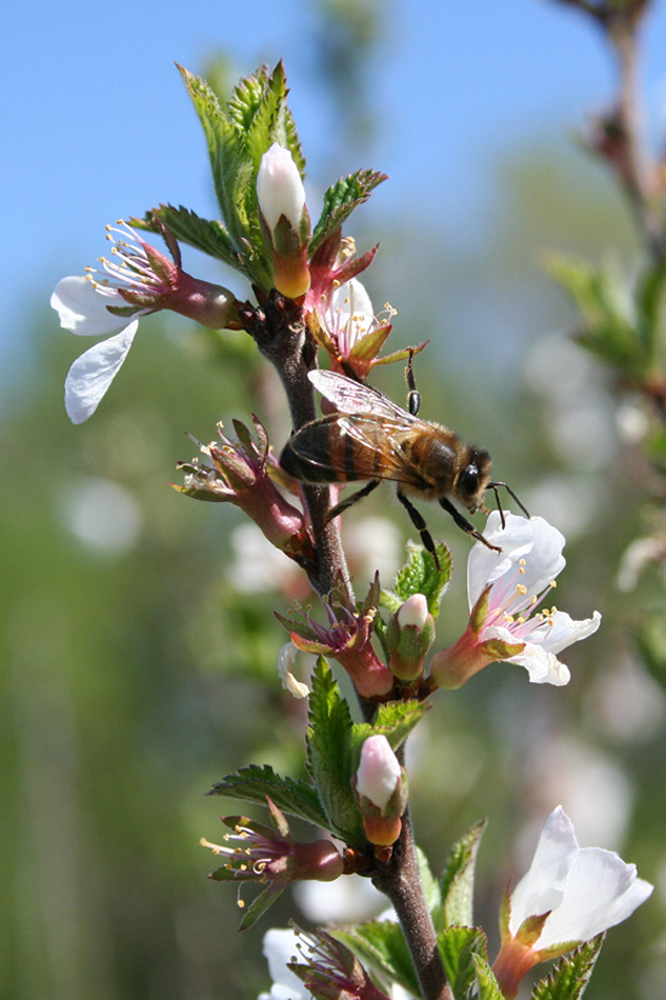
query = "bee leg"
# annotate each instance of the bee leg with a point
(493, 487)
(463, 523)
(354, 498)
(413, 395)
(422, 528)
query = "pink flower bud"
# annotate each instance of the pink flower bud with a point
(414, 611)
(379, 771)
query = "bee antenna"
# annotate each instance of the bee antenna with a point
(494, 486)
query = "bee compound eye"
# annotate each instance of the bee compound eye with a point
(469, 481)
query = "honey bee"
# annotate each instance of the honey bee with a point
(372, 438)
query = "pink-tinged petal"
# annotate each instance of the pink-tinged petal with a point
(83, 310)
(542, 887)
(600, 892)
(91, 375)
(378, 772)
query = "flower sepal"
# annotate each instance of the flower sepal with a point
(347, 639)
(330, 971)
(240, 473)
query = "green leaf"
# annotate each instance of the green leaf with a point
(394, 720)
(569, 978)
(488, 986)
(233, 162)
(207, 235)
(381, 945)
(254, 783)
(329, 756)
(420, 576)
(458, 947)
(457, 881)
(340, 201)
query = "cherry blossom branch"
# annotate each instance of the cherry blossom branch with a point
(279, 331)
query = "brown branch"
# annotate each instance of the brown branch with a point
(401, 882)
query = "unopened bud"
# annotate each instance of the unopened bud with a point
(285, 220)
(381, 791)
(409, 636)
(280, 189)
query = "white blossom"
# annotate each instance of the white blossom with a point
(587, 890)
(520, 577)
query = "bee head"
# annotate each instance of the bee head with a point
(473, 479)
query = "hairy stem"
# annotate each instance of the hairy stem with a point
(401, 882)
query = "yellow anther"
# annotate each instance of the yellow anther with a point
(522, 569)
(553, 583)
(520, 620)
(336, 284)
(240, 903)
(521, 562)
(509, 618)
(521, 588)
(242, 868)
(533, 599)
(553, 610)
(108, 228)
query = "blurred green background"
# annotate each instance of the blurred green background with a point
(138, 654)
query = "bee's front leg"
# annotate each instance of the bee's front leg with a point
(466, 525)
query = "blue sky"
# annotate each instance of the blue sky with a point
(98, 124)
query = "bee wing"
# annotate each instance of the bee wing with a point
(328, 443)
(356, 397)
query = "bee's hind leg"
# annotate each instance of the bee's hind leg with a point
(354, 498)
(463, 523)
(417, 520)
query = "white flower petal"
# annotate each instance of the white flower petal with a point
(587, 890)
(286, 659)
(532, 539)
(91, 375)
(279, 948)
(542, 887)
(564, 630)
(601, 891)
(542, 666)
(83, 310)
